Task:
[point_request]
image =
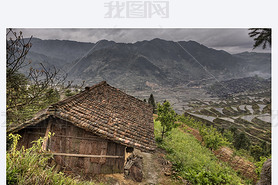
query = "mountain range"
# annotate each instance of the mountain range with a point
(145, 64)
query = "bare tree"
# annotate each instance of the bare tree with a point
(26, 94)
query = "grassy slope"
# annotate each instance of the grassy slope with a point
(194, 162)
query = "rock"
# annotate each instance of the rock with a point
(136, 173)
(133, 168)
(265, 174)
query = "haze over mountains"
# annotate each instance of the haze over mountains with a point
(146, 64)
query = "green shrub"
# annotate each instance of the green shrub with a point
(260, 164)
(212, 138)
(189, 121)
(228, 135)
(29, 166)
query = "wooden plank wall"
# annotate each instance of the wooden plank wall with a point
(74, 140)
(32, 133)
(114, 165)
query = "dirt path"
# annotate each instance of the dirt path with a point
(150, 167)
(156, 171)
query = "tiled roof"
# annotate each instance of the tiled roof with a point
(107, 112)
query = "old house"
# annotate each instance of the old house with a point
(93, 130)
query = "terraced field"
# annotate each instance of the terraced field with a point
(249, 114)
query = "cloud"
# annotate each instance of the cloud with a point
(233, 40)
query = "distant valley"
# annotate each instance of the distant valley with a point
(176, 71)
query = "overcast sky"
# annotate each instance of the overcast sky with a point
(231, 40)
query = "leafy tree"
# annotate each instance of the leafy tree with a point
(241, 141)
(256, 152)
(69, 93)
(152, 103)
(266, 148)
(233, 129)
(262, 36)
(166, 116)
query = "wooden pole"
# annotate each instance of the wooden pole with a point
(45, 141)
(83, 155)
